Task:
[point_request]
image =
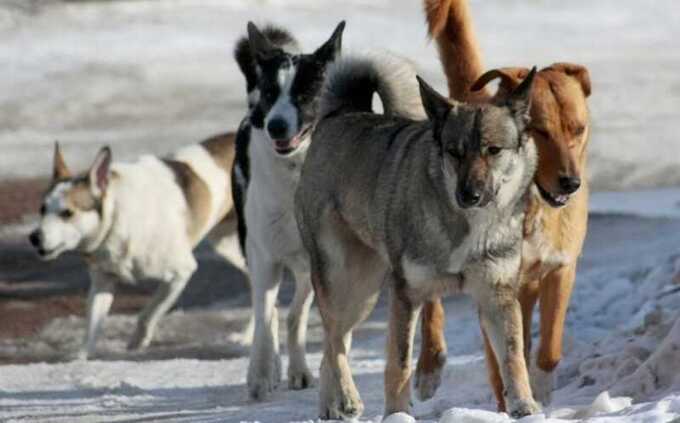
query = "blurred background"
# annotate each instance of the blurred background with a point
(148, 76)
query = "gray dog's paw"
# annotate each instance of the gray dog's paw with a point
(521, 408)
(347, 409)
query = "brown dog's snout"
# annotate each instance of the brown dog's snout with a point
(570, 184)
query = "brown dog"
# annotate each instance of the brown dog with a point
(556, 222)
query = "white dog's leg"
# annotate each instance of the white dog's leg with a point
(99, 303)
(299, 376)
(264, 370)
(165, 296)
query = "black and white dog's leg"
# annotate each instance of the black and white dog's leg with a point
(163, 299)
(299, 376)
(264, 370)
(100, 298)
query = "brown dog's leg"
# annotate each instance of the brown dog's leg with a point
(432, 356)
(555, 291)
(528, 295)
(402, 322)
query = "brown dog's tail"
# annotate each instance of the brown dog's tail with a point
(450, 25)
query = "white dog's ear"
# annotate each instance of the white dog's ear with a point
(59, 168)
(99, 172)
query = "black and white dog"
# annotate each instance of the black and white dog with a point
(283, 90)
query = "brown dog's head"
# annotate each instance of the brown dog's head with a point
(559, 123)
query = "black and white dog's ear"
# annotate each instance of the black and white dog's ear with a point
(99, 172)
(331, 49)
(59, 168)
(519, 101)
(436, 106)
(260, 46)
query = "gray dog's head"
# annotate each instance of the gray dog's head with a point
(485, 150)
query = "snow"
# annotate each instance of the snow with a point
(622, 352)
(149, 76)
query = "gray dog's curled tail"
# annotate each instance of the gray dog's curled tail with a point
(351, 82)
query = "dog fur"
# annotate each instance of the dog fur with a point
(141, 220)
(428, 207)
(283, 87)
(554, 231)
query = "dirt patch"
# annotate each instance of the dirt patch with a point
(24, 318)
(20, 197)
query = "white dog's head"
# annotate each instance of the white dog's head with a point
(71, 210)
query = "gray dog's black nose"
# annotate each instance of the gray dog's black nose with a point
(469, 197)
(277, 128)
(35, 238)
(570, 184)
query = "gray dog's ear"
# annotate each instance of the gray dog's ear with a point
(59, 168)
(99, 172)
(436, 106)
(260, 46)
(519, 100)
(330, 50)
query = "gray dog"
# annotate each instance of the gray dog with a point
(428, 207)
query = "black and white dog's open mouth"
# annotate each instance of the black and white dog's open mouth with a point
(285, 147)
(554, 200)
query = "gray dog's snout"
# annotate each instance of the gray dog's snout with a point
(469, 197)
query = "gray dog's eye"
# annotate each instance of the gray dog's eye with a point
(43, 210)
(66, 214)
(455, 153)
(493, 150)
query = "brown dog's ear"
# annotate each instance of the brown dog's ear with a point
(577, 71)
(59, 168)
(510, 79)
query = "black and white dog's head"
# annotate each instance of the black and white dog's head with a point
(285, 84)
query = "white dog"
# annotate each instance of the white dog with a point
(142, 220)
